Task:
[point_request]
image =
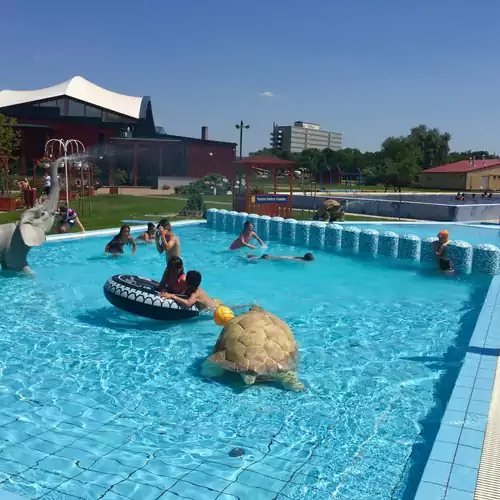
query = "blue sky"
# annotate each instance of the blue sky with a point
(366, 68)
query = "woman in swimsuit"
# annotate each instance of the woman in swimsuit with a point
(174, 279)
(245, 237)
(115, 246)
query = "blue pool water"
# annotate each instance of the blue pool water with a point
(96, 403)
(471, 233)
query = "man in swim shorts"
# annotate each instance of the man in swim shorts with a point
(166, 241)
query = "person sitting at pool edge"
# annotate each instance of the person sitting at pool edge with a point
(174, 279)
(266, 256)
(194, 294)
(68, 220)
(115, 246)
(243, 240)
(166, 241)
(440, 250)
(147, 236)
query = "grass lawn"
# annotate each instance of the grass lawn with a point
(109, 210)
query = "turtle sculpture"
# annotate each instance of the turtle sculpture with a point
(330, 211)
(259, 346)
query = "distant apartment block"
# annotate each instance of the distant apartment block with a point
(301, 135)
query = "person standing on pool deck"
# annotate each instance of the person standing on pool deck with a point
(166, 241)
(243, 240)
(440, 250)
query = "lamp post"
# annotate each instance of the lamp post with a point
(240, 126)
(73, 146)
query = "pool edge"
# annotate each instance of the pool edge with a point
(464, 431)
(114, 230)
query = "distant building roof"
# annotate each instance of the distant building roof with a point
(463, 166)
(82, 90)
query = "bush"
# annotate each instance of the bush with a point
(165, 187)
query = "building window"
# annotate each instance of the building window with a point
(111, 117)
(91, 112)
(75, 108)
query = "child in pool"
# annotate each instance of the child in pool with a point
(194, 294)
(115, 246)
(245, 237)
(440, 250)
(148, 236)
(174, 279)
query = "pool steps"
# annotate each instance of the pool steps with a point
(352, 240)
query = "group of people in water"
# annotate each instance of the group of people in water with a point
(484, 194)
(176, 284)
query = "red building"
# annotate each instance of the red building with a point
(119, 130)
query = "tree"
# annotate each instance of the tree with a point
(398, 162)
(10, 139)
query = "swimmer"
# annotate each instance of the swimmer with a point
(166, 241)
(196, 295)
(306, 257)
(174, 279)
(147, 236)
(115, 246)
(243, 240)
(440, 250)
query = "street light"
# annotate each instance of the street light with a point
(240, 126)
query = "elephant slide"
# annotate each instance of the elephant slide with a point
(17, 238)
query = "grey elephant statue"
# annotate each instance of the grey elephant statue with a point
(17, 238)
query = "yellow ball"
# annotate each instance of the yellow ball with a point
(223, 315)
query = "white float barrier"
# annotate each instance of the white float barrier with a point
(460, 254)
(317, 235)
(368, 242)
(263, 227)
(409, 247)
(350, 239)
(302, 230)
(276, 228)
(388, 244)
(335, 238)
(288, 234)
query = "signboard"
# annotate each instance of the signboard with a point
(270, 198)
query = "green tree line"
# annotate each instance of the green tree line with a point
(398, 162)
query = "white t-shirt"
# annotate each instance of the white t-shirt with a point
(46, 180)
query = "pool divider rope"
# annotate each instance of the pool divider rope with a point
(351, 240)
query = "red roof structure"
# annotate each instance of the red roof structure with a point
(265, 161)
(463, 166)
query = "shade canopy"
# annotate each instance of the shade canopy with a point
(265, 161)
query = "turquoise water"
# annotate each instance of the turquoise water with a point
(472, 234)
(96, 403)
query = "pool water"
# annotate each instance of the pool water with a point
(474, 235)
(96, 403)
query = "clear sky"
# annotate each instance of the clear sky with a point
(366, 68)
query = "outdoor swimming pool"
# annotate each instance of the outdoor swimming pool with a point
(95, 403)
(473, 234)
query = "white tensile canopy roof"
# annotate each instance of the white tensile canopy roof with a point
(82, 90)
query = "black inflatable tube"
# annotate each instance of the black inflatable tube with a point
(139, 296)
